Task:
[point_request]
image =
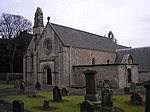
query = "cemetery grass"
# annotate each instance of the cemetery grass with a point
(70, 103)
(4, 86)
(123, 102)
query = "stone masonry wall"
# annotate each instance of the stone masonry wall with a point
(104, 72)
(84, 56)
(144, 76)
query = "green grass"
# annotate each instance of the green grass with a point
(4, 86)
(122, 101)
(71, 103)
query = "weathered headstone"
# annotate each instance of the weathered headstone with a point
(57, 97)
(133, 88)
(38, 85)
(22, 87)
(86, 106)
(16, 83)
(126, 90)
(107, 98)
(136, 99)
(147, 98)
(64, 92)
(91, 88)
(100, 84)
(46, 105)
(106, 84)
(18, 106)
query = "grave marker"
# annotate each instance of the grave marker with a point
(86, 106)
(57, 97)
(18, 106)
(136, 99)
(64, 92)
(91, 88)
(46, 105)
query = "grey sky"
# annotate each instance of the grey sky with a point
(129, 20)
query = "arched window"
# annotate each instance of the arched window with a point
(127, 59)
(31, 61)
(108, 61)
(93, 61)
(129, 75)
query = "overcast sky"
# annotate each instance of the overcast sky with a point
(129, 20)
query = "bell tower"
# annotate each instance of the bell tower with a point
(38, 22)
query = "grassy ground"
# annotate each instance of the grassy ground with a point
(71, 103)
(3, 86)
(122, 101)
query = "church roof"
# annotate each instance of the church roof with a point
(77, 38)
(140, 56)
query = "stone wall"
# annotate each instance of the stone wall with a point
(82, 56)
(104, 72)
(116, 74)
(144, 76)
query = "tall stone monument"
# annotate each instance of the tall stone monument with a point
(91, 88)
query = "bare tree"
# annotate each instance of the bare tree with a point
(10, 27)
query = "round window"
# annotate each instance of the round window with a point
(47, 46)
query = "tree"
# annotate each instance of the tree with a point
(11, 25)
(23, 41)
(10, 28)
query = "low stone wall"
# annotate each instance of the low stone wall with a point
(144, 76)
(104, 72)
(10, 76)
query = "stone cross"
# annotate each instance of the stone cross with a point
(57, 97)
(91, 88)
(147, 98)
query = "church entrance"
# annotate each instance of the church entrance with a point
(49, 76)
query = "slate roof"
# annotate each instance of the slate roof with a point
(76, 38)
(140, 56)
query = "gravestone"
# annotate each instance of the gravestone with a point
(133, 88)
(106, 84)
(16, 84)
(57, 97)
(46, 105)
(64, 92)
(86, 106)
(147, 98)
(38, 85)
(22, 87)
(91, 88)
(100, 84)
(18, 106)
(136, 99)
(107, 98)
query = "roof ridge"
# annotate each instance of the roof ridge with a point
(79, 30)
(133, 48)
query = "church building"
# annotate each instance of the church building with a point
(58, 55)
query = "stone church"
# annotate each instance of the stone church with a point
(58, 55)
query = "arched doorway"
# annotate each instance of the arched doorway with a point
(49, 76)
